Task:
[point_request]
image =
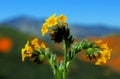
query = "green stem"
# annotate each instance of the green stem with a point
(55, 71)
(52, 65)
(65, 61)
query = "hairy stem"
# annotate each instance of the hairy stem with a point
(65, 61)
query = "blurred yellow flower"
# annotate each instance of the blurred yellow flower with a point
(35, 44)
(27, 51)
(104, 46)
(28, 48)
(62, 18)
(51, 21)
(44, 29)
(24, 55)
(43, 45)
(105, 52)
(34, 41)
(101, 61)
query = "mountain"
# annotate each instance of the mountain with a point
(31, 25)
(25, 24)
(98, 30)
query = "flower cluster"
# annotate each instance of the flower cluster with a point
(30, 47)
(53, 21)
(105, 53)
(60, 30)
(95, 50)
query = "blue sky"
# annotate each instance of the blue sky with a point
(78, 11)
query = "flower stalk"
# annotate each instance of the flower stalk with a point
(65, 60)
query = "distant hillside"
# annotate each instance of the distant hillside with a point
(83, 31)
(32, 26)
(25, 24)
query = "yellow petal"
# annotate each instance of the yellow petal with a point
(62, 18)
(34, 41)
(43, 45)
(44, 30)
(23, 55)
(101, 61)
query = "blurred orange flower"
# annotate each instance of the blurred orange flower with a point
(5, 45)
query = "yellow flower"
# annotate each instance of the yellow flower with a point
(24, 55)
(43, 45)
(27, 51)
(104, 46)
(105, 52)
(101, 61)
(35, 44)
(105, 55)
(51, 21)
(34, 41)
(62, 18)
(28, 48)
(44, 29)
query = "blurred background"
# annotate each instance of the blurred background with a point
(21, 20)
